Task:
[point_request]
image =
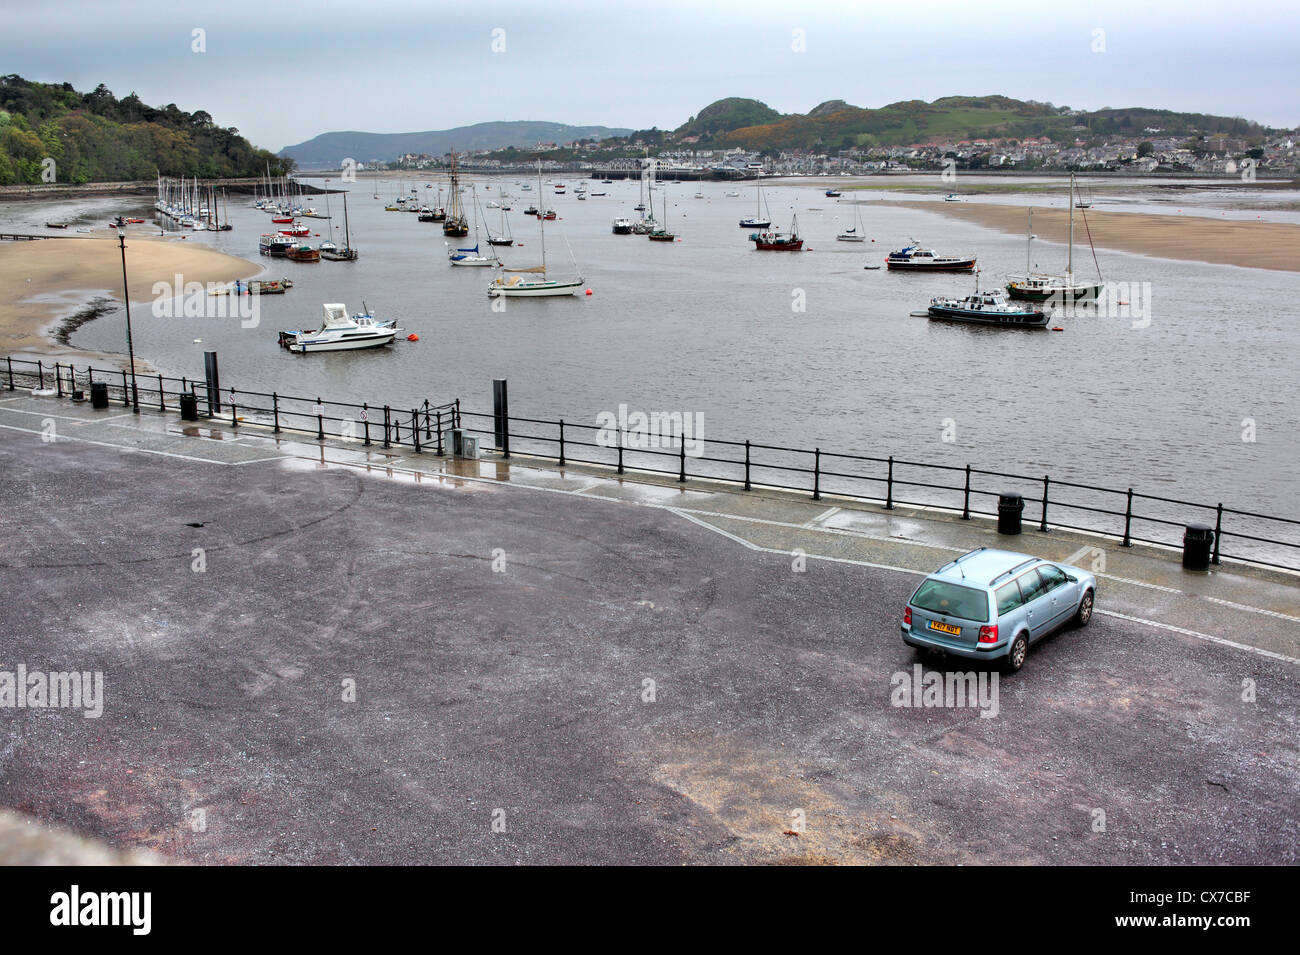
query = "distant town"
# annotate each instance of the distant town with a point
(1154, 153)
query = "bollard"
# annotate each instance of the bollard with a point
(1010, 507)
(1197, 541)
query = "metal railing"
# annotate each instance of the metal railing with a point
(1122, 514)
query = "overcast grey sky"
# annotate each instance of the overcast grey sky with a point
(284, 72)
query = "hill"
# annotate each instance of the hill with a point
(725, 115)
(330, 149)
(835, 124)
(95, 137)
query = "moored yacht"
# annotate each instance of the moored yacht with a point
(987, 308)
(916, 259)
(340, 331)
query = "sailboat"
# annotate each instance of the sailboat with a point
(1042, 286)
(505, 238)
(347, 253)
(533, 282)
(471, 256)
(857, 233)
(758, 221)
(662, 234)
(455, 224)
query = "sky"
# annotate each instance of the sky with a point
(284, 72)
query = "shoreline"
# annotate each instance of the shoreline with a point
(1247, 243)
(57, 285)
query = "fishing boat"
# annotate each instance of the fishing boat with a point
(455, 224)
(622, 226)
(913, 258)
(1044, 286)
(340, 331)
(856, 233)
(779, 241)
(758, 221)
(533, 282)
(275, 244)
(987, 308)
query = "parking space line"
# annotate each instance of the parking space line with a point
(126, 447)
(1222, 641)
(822, 516)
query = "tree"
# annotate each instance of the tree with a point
(1145, 149)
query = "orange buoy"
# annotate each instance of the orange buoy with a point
(588, 292)
(413, 337)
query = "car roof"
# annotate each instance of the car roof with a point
(980, 568)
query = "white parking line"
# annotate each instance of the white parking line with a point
(126, 447)
(822, 516)
(1201, 636)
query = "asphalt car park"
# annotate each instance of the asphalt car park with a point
(539, 678)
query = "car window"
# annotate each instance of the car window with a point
(1053, 577)
(1031, 585)
(1008, 597)
(952, 600)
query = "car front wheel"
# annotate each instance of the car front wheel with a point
(1016, 655)
(1084, 613)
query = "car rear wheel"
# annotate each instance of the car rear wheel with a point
(1016, 655)
(1084, 613)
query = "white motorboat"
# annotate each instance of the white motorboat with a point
(340, 331)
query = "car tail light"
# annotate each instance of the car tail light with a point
(989, 634)
(907, 616)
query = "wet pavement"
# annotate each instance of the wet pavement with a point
(501, 621)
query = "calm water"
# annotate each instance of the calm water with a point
(707, 325)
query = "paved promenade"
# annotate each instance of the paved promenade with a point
(549, 665)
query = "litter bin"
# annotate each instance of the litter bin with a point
(1010, 507)
(189, 407)
(1198, 539)
(99, 394)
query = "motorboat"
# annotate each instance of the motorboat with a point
(622, 226)
(340, 331)
(913, 258)
(987, 308)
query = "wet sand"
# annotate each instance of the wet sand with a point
(45, 282)
(1248, 243)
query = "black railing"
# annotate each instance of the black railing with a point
(1123, 514)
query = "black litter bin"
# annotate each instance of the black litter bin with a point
(99, 394)
(1198, 540)
(189, 408)
(1010, 507)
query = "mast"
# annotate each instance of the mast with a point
(1069, 260)
(347, 237)
(541, 216)
(1029, 239)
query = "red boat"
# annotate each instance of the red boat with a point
(280, 219)
(779, 241)
(296, 231)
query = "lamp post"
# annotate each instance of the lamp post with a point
(130, 346)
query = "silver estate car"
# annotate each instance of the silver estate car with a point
(992, 604)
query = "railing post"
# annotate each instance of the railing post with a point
(365, 421)
(386, 441)
(561, 442)
(620, 452)
(889, 486)
(747, 484)
(40, 373)
(965, 506)
(126, 394)
(415, 429)
(234, 418)
(681, 457)
(1218, 532)
(58, 379)
(162, 394)
(427, 435)
(1128, 521)
(320, 419)
(456, 424)
(817, 474)
(10, 362)
(439, 414)
(1042, 525)
(90, 376)
(275, 411)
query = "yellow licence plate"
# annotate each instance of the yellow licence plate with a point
(945, 628)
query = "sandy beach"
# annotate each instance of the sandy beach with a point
(47, 281)
(1249, 243)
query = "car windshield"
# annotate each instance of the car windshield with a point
(952, 600)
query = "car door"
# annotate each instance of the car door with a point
(1064, 595)
(1038, 603)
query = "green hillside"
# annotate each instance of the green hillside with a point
(725, 115)
(95, 137)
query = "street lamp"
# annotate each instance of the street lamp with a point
(130, 347)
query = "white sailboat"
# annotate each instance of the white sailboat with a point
(857, 233)
(533, 282)
(758, 221)
(472, 256)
